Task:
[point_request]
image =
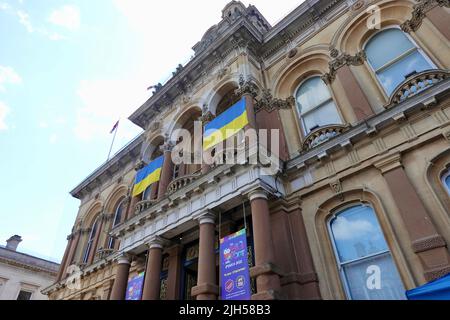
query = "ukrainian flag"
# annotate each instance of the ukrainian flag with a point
(148, 175)
(225, 125)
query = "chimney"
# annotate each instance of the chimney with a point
(13, 242)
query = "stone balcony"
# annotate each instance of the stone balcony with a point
(182, 182)
(322, 134)
(103, 253)
(416, 84)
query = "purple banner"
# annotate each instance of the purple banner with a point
(235, 275)
(134, 287)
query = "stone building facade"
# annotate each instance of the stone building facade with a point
(22, 276)
(360, 93)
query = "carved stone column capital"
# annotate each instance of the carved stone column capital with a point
(269, 103)
(123, 258)
(140, 165)
(207, 116)
(157, 242)
(342, 60)
(419, 13)
(247, 87)
(205, 217)
(258, 194)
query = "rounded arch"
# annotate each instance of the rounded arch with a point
(192, 112)
(219, 91)
(151, 150)
(353, 33)
(338, 203)
(92, 213)
(307, 65)
(115, 197)
(437, 168)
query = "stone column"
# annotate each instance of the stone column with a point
(63, 265)
(174, 273)
(307, 276)
(439, 18)
(426, 242)
(152, 283)
(72, 251)
(266, 273)
(167, 170)
(132, 207)
(355, 95)
(121, 279)
(206, 288)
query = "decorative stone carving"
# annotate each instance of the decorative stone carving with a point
(140, 165)
(358, 5)
(247, 86)
(342, 60)
(178, 70)
(336, 186)
(269, 103)
(207, 116)
(428, 243)
(156, 88)
(416, 84)
(154, 125)
(419, 12)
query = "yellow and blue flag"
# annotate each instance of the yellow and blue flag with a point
(225, 125)
(148, 175)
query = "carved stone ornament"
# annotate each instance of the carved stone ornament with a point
(419, 12)
(247, 86)
(140, 165)
(207, 116)
(269, 103)
(343, 60)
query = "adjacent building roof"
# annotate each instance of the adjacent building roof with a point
(26, 261)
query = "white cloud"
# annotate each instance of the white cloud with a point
(103, 103)
(4, 111)
(24, 19)
(53, 138)
(4, 6)
(344, 229)
(67, 17)
(8, 76)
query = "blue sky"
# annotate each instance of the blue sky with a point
(68, 71)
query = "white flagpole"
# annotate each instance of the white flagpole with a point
(112, 143)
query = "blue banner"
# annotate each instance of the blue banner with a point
(134, 287)
(235, 274)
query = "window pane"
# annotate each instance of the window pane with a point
(24, 295)
(118, 216)
(447, 182)
(326, 114)
(394, 40)
(391, 77)
(311, 94)
(362, 281)
(357, 234)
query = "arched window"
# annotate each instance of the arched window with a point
(446, 181)
(394, 58)
(147, 193)
(90, 241)
(365, 263)
(315, 105)
(117, 220)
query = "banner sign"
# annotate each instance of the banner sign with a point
(134, 287)
(235, 274)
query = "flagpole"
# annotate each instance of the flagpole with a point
(112, 143)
